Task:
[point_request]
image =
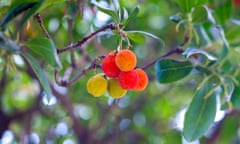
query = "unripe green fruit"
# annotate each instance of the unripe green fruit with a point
(115, 90)
(97, 85)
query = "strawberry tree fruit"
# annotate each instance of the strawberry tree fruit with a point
(115, 90)
(128, 80)
(126, 60)
(109, 66)
(97, 85)
(143, 80)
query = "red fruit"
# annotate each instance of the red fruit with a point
(236, 2)
(128, 80)
(109, 66)
(143, 80)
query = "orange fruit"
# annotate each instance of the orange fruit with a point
(143, 80)
(126, 60)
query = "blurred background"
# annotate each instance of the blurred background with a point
(154, 116)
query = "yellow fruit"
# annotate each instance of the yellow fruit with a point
(97, 85)
(29, 30)
(115, 90)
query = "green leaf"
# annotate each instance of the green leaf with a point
(171, 70)
(193, 50)
(123, 13)
(187, 5)
(15, 11)
(232, 32)
(235, 99)
(223, 11)
(110, 12)
(225, 47)
(136, 37)
(224, 52)
(228, 88)
(204, 38)
(200, 114)
(39, 73)
(228, 130)
(201, 2)
(49, 3)
(200, 14)
(146, 34)
(31, 12)
(15, 3)
(204, 70)
(132, 16)
(46, 49)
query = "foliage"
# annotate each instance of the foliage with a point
(189, 50)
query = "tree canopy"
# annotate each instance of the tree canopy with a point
(118, 71)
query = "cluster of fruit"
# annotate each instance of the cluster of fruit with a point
(120, 75)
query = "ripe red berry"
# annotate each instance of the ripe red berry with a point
(109, 66)
(236, 2)
(128, 80)
(143, 80)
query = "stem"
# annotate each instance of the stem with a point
(40, 21)
(70, 29)
(87, 38)
(176, 50)
(173, 51)
(3, 81)
(70, 36)
(66, 83)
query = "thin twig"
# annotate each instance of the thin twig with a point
(70, 30)
(3, 80)
(87, 38)
(66, 83)
(70, 36)
(176, 50)
(173, 51)
(40, 21)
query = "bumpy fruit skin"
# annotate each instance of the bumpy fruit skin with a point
(109, 66)
(128, 80)
(97, 85)
(143, 80)
(126, 60)
(115, 90)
